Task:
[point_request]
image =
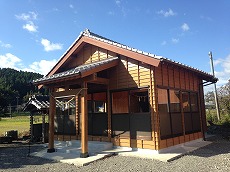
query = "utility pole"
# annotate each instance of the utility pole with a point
(10, 111)
(17, 103)
(215, 91)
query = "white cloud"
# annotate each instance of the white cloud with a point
(29, 19)
(9, 61)
(185, 27)
(175, 40)
(118, 2)
(30, 27)
(43, 66)
(121, 6)
(71, 6)
(4, 45)
(168, 13)
(48, 46)
(222, 70)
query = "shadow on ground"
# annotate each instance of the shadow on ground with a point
(218, 146)
(17, 155)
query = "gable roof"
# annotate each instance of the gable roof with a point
(91, 38)
(80, 71)
(41, 103)
(99, 41)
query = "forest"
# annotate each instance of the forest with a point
(16, 87)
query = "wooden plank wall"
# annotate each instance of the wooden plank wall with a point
(89, 54)
(175, 77)
(130, 74)
(170, 76)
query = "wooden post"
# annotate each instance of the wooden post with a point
(84, 122)
(52, 112)
(77, 116)
(31, 126)
(43, 128)
(109, 114)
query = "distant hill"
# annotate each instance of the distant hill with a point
(16, 86)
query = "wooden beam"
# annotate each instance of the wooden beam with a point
(66, 93)
(52, 112)
(84, 123)
(100, 68)
(125, 52)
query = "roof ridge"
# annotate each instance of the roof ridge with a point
(95, 36)
(90, 34)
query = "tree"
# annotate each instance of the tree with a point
(223, 94)
(14, 84)
(224, 98)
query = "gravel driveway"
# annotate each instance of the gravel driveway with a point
(214, 157)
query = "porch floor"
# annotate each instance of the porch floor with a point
(69, 151)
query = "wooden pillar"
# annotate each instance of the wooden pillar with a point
(31, 126)
(43, 128)
(109, 114)
(84, 122)
(201, 104)
(77, 122)
(52, 111)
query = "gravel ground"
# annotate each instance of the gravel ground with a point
(214, 157)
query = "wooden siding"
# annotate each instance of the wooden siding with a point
(88, 54)
(129, 74)
(179, 140)
(126, 142)
(174, 77)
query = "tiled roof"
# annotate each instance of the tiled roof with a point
(76, 71)
(41, 102)
(103, 39)
(109, 41)
(88, 33)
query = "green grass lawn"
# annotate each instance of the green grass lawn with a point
(19, 123)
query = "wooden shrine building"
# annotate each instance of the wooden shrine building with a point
(125, 96)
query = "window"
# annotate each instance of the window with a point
(185, 101)
(130, 114)
(97, 103)
(174, 101)
(170, 105)
(165, 121)
(97, 116)
(139, 101)
(191, 112)
(99, 107)
(194, 103)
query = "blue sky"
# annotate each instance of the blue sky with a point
(35, 33)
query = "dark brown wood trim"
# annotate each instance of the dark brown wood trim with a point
(52, 112)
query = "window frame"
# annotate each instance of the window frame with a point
(186, 113)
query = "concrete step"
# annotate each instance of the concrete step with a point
(74, 146)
